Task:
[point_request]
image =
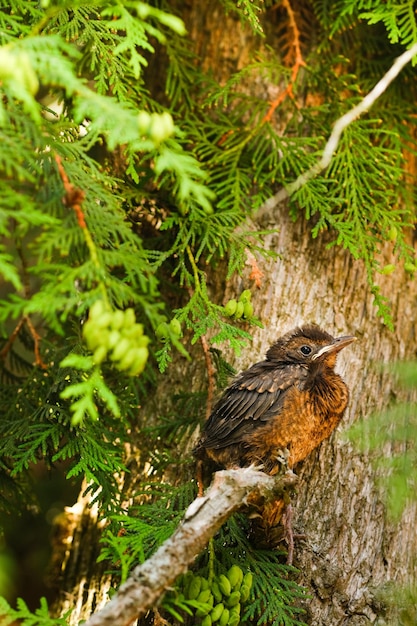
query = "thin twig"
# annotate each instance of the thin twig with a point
(5, 350)
(73, 196)
(298, 63)
(25, 319)
(36, 341)
(210, 375)
(339, 126)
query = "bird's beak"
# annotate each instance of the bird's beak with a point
(337, 344)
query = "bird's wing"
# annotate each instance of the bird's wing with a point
(253, 398)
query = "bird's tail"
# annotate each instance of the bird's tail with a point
(267, 531)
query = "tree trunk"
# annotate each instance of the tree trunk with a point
(348, 547)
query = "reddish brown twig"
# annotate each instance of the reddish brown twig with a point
(297, 64)
(74, 197)
(5, 350)
(256, 273)
(210, 376)
(36, 340)
(209, 405)
(225, 136)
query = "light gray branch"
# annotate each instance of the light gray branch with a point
(339, 126)
(230, 490)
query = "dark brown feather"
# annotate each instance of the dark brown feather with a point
(290, 403)
(292, 399)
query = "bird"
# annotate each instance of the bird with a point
(280, 408)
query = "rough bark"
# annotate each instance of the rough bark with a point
(350, 548)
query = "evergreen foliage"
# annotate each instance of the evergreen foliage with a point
(390, 438)
(122, 190)
(274, 594)
(26, 617)
(396, 429)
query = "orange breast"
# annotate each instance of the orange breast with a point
(303, 423)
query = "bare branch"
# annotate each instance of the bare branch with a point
(339, 126)
(230, 490)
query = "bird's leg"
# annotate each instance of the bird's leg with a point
(287, 520)
(282, 456)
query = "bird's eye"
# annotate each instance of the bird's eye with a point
(305, 350)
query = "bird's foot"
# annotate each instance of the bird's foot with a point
(280, 461)
(283, 454)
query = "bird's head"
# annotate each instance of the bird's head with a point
(309, 345)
